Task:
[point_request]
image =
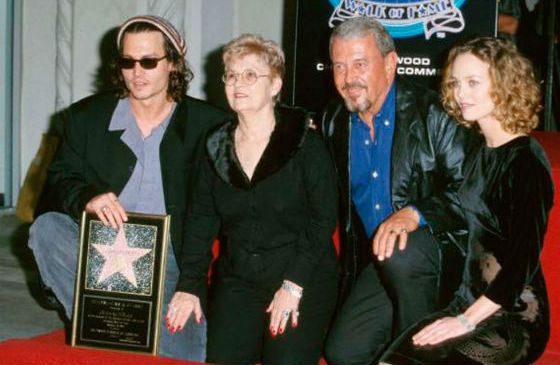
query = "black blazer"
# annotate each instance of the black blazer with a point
(276, 226)
(427, 163)
(93, 160)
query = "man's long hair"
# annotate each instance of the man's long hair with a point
(179, 78)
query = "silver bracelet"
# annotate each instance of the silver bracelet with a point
(469, 326)
(292, 289)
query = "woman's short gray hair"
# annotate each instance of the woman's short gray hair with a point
(362, 27)
(267, 50)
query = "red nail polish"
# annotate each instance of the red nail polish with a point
(281, 331)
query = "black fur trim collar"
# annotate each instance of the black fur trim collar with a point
(286, 139)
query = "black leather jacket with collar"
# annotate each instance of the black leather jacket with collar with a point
(427, 166)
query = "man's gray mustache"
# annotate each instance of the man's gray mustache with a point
(353, 84)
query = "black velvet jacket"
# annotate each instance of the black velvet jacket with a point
(93, 160)
(277, 225)
(507, 196)
(426, 169)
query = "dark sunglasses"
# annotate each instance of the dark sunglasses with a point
(146, 63)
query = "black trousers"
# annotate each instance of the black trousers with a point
(238, 325)
(388, 297)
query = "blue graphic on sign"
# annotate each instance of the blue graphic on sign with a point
(405, 18)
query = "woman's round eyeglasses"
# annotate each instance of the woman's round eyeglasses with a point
(249, 77)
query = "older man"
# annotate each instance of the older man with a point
(399, 159)
(135, 150)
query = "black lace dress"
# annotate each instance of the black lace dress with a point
(507, 195)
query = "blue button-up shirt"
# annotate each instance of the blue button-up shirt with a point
(143, 193)
(370, 165)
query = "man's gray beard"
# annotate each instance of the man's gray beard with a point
(357, 107)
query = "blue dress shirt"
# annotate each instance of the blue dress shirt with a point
(370, 165)
(143, 193)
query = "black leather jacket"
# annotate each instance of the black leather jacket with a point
(426, 170)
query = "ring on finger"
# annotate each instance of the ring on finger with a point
(285, 315)
(172, 309)
(104, 208)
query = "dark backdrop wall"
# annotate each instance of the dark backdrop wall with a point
(424, 30)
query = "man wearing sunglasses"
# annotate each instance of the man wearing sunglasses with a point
(133, 150)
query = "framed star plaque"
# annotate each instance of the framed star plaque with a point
(119, 286)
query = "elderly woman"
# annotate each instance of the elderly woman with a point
(268, 188)
(500, 312)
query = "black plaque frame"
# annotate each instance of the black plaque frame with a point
(113, 312)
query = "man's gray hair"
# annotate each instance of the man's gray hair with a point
(362, 27)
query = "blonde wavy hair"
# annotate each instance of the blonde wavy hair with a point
(514, 91)
(252, 44)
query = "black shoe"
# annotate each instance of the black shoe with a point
(49, 300)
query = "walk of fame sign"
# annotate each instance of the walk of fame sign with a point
(119, 286)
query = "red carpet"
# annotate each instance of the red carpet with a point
(50, 349)
(551, 252)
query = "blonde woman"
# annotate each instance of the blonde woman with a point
(268, 186)
(500, 312)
